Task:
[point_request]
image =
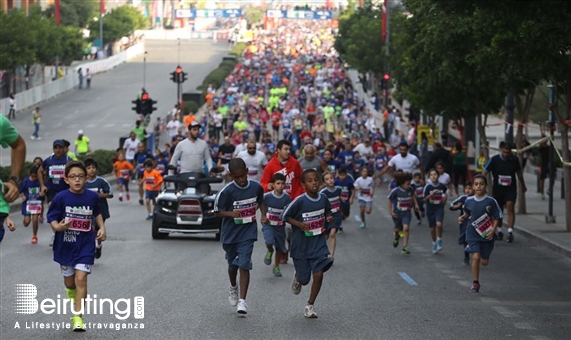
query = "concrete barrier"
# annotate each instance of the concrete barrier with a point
(38, 94)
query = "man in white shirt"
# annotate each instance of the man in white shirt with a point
(192, 152)
(364, 149)
(130, 147)
(172, 127)
(255, 161)
(403, 161)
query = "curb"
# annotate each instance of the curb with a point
(562, 249)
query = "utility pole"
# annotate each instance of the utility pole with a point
(509, 105)
(550, 218)
(145, 69)
(58, 20)
(101, 11)
(387, 51)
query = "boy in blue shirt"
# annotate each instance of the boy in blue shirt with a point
(274, 229)
(345, 183)
(458, 204)
(103, 189)
(435, 198)
(71, 216)
(237, 204)
(31, 203)
(308, 214)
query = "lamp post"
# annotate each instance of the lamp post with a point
(101, 10)
(145, 69)
(550, 218)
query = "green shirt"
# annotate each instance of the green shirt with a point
(139, 132)
(240, 126)
(223, 111)
(8, 135)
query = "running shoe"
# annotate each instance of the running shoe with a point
(405, 250)
(38, 138)
(32, 137)
(363, 225)
(242, 307)
(475, 288)
(500, 236)
(141, 202)
(401, 234)
(34, 239)
(309, 312)
(268, 258)
(395, 242)
(434, 248)
(340, 230)
(542, 197)
(439, 245)
(283, 260)
(120, 199)
(149, 217)
(78, 325)
(295, 285)
(277, 272)
(233, 296)
(98, 251)
(128, 197)
(510, 237)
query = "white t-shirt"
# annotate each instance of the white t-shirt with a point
(130, 147)
(172, 127)
(406, 164)
(255, 164)
(366, 188)
(365, 151)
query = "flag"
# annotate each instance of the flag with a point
(102, 7)
(384, 22)
(57, 13)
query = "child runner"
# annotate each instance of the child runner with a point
(307, 214)
(381, 161)
(153, 180)
(393, 183)
(123, 170)
(444, 177)
(237, 203)
(71, 215)
(274, 229)
(458, 204)
(366, 188)
(31, 203)
(418, 186)
(435, 195)
(100, 186)
(345, 183)
(484, 215)
(333, 193)
(401, 200)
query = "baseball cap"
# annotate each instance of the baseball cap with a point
(66, 143)
(58, 142)
(80, 132)
(193, 124)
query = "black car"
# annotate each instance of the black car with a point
(186, 205)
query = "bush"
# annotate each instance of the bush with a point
(104, 159)
(190, 107)
(5, 172)
(238, 49)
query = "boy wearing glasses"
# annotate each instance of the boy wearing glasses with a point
(72, 215)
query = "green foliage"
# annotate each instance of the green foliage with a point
(120, 22)
(104, 159)
(75, 13)
(17, 40)
(190, 107)
(253, 15)
(5, 171)
(238, 49)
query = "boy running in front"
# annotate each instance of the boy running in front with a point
(31, 202)
(71, 215)
(307, 214)
(401, 200)
(274, 229)
(237, 204)
(458, 204)
(153, 180)
(100, 186)
(484, 215)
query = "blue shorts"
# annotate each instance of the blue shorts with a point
(462, 232)
(2, 231)
(403, 219)
(239, 255)
(305, 267)
(151, 195)
(434, 215)
(276, 236)
(123, 181)
(483, 248)
(335, 224)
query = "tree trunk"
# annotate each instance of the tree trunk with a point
(523, 117)
(564, 128)
(484, 144)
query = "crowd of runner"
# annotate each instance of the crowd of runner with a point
(290, 135)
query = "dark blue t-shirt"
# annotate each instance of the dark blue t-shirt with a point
(244, 199)
(334, 197)
(54, 168)
(311, 211)
(77, 244)
(346, 187)
(275, 205)
(483, 212)
(31, 190)
(401, 200)
(98, 185)
(437, 200)
(460, 199)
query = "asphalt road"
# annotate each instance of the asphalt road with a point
(525, 291)
(104, 112)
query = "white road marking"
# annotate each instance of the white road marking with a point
(523, 325)
(489, 300)
(505, 312)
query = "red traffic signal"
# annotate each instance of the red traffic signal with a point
(387, 76)
(145, 96)
(178, 69)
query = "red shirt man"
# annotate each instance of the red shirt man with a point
(284, 163)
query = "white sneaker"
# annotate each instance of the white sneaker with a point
(309, 312)
(38, 138)
(295, 285)
(233, 297)
(32, 137)
(242, 307)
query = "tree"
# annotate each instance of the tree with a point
(253, 15)
(74, 13)
(17, 40)
(121, 21)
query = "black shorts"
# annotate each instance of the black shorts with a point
(345, 210)
(543, 172)
(276, 128)
(503, 196)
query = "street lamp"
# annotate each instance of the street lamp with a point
(550, 218)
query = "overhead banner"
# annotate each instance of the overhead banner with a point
(209, 13)
(307, 15)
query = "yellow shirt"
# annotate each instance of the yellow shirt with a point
(82, 144)
(240, 126)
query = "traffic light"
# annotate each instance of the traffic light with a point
(138, 108)
(183, 79)
(148, 105)
(178, 76)
(384, 83)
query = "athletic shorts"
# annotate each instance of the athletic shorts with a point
(403, 219)
(276, 128)
(2, 231)
(366, 204)
(276, 236)
(335, 224)
(305, 267)
(434, 215)
(123, 181)
(225, 171)
(543, 172)
(151, 194)
(503, 196)
(239, 255)
(345, 209)
(68, 271)
(483, 248)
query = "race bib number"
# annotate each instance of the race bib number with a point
(366, 192)
(150, 180)
(419, 192)
(56, 171)
(348, 160)
(483, 225)
(227, 156)
(331, 169)
(436, 198)
(79, 217)
(504, 181)
(161, 168)
(247, 209)
(141, 167)
(93, 189)
(33, 207)
(335, 204)
(273, 216)
(315, 222)
(124, 174)
(344, 194)
(252, 172)
(404, 205)
(287, 188)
